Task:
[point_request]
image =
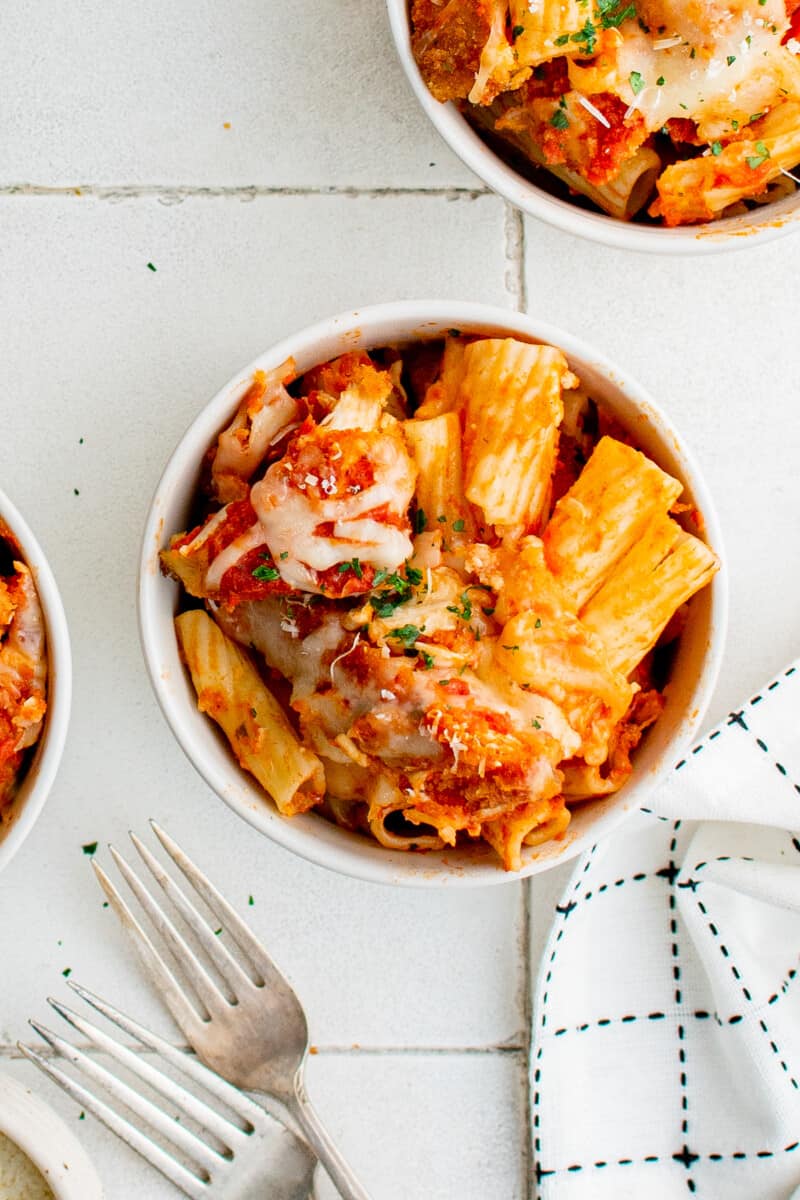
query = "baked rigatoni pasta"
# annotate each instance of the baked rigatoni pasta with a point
(440, 608)
(688, 109)
(231, 691)
(23, 665)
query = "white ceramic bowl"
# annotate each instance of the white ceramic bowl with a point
(760, 225)
(310, 835)
(20, 817)
(48, 1143)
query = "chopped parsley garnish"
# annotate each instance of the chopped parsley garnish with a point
(397, 591)
(427, 659)
(150, 267)
(441, 519)
(716, 148)
(67, 972)
(614, 12)
(559, 119)
(517, 31)
(353, 565)
(587, 37)
(537, 623)
(636, 81)
(407, 634)
(536, 724)
(511, 647)
(561, 40)
(90, 848)
(251, 901)
(465, 612)
(660, 81)
(755, 160)
(488, 611)
(420, 521)
(265, 573)
(731, 59)
(458, 525)
(284, 554)
(454, 332)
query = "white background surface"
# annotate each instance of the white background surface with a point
(327, 192)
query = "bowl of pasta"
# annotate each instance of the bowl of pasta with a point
(35, 680)
(429, 594)
(643, 124)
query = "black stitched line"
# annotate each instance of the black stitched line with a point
(737, 718)
(681, 1157)
(671, 873)
(562, 913)
(566, 909)
(761, 1022)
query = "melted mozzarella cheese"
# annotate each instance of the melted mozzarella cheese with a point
(289, 519)
(738, 71)
(249, 540)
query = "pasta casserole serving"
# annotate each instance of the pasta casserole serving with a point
(433, 591)
(685, 111)
(23, 665)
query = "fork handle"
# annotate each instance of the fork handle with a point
(320, 1141)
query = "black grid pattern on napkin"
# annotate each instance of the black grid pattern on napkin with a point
(580, 892)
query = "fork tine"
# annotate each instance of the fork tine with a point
(195, 1108)
(138, 1141)
(228, 917)
(189, 1143)
(210, 995)
(241, 1104)
(185, 1016)
(225, 963)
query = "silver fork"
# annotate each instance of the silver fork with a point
(256, 1158)
(256, 1037)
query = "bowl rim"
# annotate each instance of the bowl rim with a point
(48, 1142)
(760, 225)
(41, 772)
(416, 318)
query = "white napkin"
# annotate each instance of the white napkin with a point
(666, 1040)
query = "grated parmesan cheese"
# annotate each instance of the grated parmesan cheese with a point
(591, 108)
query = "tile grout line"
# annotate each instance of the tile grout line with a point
(527, 1037)
(10, 1052)
(175, 193)
(514, 230)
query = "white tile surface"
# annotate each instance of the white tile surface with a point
(253, 231)
(437, 1126)
(107, 350)
(714, 341)
(117, 93)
